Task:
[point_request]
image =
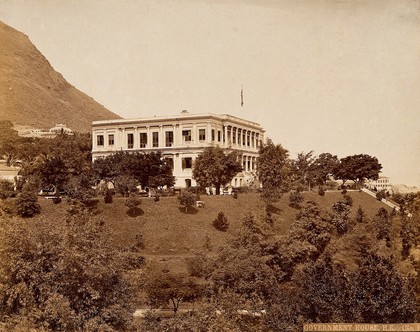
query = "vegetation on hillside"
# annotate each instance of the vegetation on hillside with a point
(267, 264)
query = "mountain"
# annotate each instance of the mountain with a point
(33, 94)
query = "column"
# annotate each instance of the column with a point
(149, 139)
(194, 134)
(175, 142)
(136, 140)
(225, 137)
(208, 133)
(161, 136)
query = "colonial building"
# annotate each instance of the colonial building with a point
(180, 138)
(382, 183)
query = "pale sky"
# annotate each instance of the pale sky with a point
(330, 76)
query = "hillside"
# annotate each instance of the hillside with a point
(167, 230)
(33, 94)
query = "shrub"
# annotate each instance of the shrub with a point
(348, 200)
(235, 195)
(27, 203)
(6, 189)
(380, 195)
(132, 202)
(56, 200)
(187, 199)
(295, 198)
(344, 191)
(221, 223)
(156, 198)
(108, 196)
(321, 191)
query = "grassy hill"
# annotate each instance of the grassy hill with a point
(169, 231)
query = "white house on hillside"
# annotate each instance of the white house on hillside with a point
(181, 138)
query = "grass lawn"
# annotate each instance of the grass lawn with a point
(168, 230)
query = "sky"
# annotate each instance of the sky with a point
(338, 76)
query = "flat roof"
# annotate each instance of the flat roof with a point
(179, 117)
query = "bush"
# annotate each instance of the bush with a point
(6, 189)
(380, 195)
(221, 223)
(187, 199)
(108, 196)
(348, 200)
(156, 198)
(235, 195)
(344, 191)
(27, 204)
(132, 202)
(295, 198)
(56, 200)
(321, 191)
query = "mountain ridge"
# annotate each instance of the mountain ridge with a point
(33, 93)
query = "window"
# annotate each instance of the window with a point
(219, 135)
(234, 138)
(243, 138)
(248, 139)
(186, 163)
(202, 134)
(169, 138)
(212, 134)
(155, 139)
(186, 135)
(130, 141)
(100, 140)
(143, 140)
(111, 139)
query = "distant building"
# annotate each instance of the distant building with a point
(382, 183)
(51, 133)
(181, 138)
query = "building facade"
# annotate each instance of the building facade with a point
(382, 183)
(180, 139)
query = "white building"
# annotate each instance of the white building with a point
(382, 183)
(181, 138)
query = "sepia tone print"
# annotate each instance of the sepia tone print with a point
(209, 165)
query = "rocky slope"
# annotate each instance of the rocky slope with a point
(33, 94)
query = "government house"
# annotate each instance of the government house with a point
(180, 139)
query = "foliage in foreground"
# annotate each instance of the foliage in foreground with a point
(63, 276)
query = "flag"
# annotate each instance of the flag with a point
(242, 97)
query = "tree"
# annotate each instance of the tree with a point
(53, 173)
(273, 169)
(174, 288)
(216, 167)
(313, 226)
(409, 232)
(27, 203)
(358, 168)
(63, 275)
(125, 184)
(383, 226)
(187, 199)
(323, 166)
(302, 170)
(382, 293)
(341, 217)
